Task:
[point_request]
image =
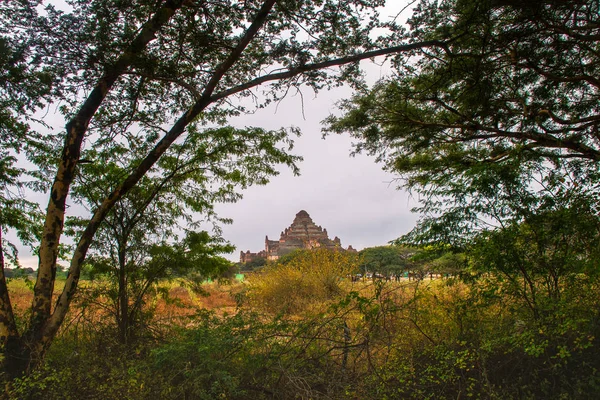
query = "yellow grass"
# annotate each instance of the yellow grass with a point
(87, 305)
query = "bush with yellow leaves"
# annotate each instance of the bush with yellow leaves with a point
(301, 280)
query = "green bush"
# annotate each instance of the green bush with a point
(93, 367)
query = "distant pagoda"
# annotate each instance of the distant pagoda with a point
(303, 233)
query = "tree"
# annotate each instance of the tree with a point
(195, 257)
(123, 71)
(437, 259)
(254, 264)
(185, 184)
(543, 260)
(386, 260)
(497, 133)
(495, 123)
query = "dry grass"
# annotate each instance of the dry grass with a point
(21, 293)
(183, 301)
(175, 308)
(221, 298)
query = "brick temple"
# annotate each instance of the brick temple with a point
(302, 234)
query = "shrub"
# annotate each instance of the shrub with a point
(308, 278)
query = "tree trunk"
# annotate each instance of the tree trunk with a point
(16, 358)
(8, 327)
(45, 322)
(14, 354)
(123, 299)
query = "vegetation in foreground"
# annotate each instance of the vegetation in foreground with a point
(319, 334)
(490, 117)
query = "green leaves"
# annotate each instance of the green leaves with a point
(197, 254)
(387, 260)
(479, 128)
(138, 245)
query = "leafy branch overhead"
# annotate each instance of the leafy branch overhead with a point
(506, 112)
(130, 247)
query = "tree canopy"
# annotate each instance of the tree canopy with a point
(386, 260)
(496, 135)
(499, 122)
(179, 193)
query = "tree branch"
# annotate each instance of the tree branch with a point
(290, 73)
(545, 140)
(76, 129)
(576, 78)
(178, 128)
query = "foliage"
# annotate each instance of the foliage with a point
(145, 74)
(25, 85)
(497, 134)
(440, 259)
(253, 264)
(539, 261)
(490, 124)
(131, 248)
(386, 260)
(18, 272)
(196, 257)
(217, 356)
(308, 278)
(418, 261)
(112, 372)
(433, 339)
(127, 286)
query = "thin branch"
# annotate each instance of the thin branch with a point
(323, 65)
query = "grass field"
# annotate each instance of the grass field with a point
(170, 301)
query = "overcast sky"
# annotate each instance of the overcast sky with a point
(351, 197)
